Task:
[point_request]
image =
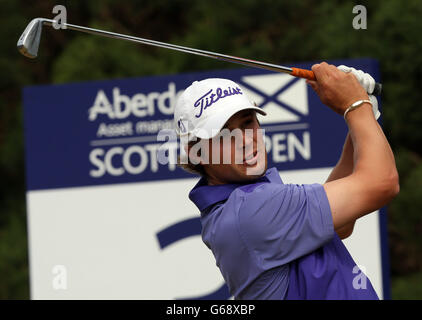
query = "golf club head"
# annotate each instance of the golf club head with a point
(29, 41)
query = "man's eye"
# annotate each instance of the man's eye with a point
(247, 122)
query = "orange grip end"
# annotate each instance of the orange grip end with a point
(303, 73)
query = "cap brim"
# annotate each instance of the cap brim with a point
(214, 124)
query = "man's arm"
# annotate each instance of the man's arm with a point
(374, 179)
(344, 168)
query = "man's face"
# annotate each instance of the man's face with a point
(237, 154)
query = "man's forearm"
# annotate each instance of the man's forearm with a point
(374, 162)
(374, 180)
(343, 168)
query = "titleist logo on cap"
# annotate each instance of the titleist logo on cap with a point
(210, 98)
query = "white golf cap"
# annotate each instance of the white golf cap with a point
(205, 106)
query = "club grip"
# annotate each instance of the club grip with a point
(303, 73)
(309, 74)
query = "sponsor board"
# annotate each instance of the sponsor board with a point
(107, 218)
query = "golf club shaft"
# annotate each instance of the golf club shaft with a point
(297, 72)
(204, 53)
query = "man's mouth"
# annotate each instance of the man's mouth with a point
(251, 159)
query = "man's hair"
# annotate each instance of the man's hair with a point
(189, 166)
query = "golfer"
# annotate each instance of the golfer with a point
(283, 241)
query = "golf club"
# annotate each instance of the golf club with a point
(29, 41)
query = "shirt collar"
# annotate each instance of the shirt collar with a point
(204, 195)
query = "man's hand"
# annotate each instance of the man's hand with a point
(336, 89)
(367, 82)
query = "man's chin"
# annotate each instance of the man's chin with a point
(251, 177)
(258, 170)
(255, 172)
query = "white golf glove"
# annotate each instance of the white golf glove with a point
(367, 82)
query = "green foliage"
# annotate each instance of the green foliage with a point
(274, 31)
(405, 227)
(407, 287)
(13, 257)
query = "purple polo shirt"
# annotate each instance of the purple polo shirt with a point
(277, 241)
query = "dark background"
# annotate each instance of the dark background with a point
(279, 32)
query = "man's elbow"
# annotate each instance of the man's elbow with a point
(390, 187)
(396, 186)
(346, 231)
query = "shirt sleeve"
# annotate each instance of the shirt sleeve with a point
(282, 222)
